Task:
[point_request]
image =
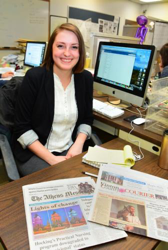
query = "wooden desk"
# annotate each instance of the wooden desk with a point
(139, 131)
(13, 230)
(118, 126)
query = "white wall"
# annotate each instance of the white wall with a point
(123, 9)
(157, 10)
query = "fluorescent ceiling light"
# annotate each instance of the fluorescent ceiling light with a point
(150, 1)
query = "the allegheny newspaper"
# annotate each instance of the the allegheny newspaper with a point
(57, 212)
(132, 201)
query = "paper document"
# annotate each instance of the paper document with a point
(10, 58)
(6, 69)
(12, 69)
(123, 157)
(57, 212)
(19, 73)
(132, 201)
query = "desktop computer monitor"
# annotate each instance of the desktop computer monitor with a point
(34, 53)
(123, 70)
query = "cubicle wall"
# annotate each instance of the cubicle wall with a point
(152, 38)
(95, 38)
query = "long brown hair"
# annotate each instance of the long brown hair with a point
(164, 55)
(48, 61)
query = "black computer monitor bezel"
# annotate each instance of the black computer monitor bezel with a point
(34, 42)
(98, 82)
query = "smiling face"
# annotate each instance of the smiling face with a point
(132, 211)
(65, 51)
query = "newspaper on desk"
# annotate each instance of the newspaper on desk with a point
(57, 212)
(132, 201)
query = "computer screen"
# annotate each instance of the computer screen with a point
(34, 54)
(123, 70)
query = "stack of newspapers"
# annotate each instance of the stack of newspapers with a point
(77, 213)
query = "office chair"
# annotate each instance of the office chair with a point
(8, 159)
(8, 95)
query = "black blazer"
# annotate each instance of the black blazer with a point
(35, 106)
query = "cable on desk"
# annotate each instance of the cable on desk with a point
(137, 157)
(139, 109)
(131, 111)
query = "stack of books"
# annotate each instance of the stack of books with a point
(22, 44)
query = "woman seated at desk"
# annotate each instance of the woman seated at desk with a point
(53, 116)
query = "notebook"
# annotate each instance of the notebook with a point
(96, 156)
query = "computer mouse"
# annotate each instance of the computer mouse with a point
(139, 121)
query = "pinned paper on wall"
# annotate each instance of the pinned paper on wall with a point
(104, 23)
(85, 27)
(110, 27)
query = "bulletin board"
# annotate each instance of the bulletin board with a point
(91, 22)
(27, 19)
(106, 23)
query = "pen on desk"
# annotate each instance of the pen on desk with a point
(90, 174)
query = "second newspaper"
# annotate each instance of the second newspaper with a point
(132, 201)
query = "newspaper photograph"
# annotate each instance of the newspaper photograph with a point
(132, 201)
(57, 213)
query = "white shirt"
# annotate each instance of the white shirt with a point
(65, 116)
(133, 219)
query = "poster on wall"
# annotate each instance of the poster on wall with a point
(106, 23)
(86, 27)
(110, 27)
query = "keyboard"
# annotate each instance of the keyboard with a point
(106, 109)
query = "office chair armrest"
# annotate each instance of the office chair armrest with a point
(10, 165)
(95, 139)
